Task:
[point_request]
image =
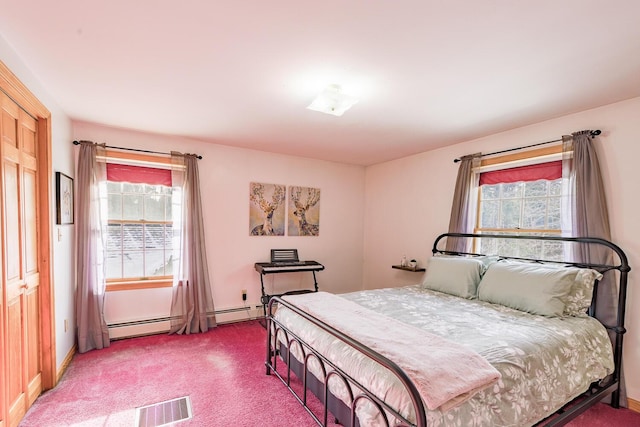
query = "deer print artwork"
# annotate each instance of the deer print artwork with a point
(304, 211)
(266, 210)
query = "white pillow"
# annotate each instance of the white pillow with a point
(454, 275)
(533, 288)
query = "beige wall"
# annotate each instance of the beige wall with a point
(408, 202)
(225, 174)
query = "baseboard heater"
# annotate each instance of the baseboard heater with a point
(134, 328)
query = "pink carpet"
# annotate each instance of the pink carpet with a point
(222, 371)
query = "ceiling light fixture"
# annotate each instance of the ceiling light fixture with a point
(332, 101)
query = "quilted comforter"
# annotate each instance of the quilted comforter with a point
(544, 362)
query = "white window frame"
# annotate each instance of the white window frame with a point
(143, 223)
(145, 160)
(544, 155)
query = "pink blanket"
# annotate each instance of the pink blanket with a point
(445, 373)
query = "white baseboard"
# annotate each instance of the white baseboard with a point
(238, 314)
(136, 330)
(141, 327)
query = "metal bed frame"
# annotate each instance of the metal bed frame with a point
(346, 414)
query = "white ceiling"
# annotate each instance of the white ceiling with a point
(428, 73)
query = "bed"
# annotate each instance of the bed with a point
(483, 340)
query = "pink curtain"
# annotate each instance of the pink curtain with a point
(91, 208)
(192, 308)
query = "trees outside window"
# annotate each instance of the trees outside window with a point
(524, 201)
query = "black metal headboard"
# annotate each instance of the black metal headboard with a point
(619, 264)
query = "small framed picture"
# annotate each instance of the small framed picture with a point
(64, 199)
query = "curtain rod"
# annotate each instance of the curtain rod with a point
(138, 150)
(594, 133)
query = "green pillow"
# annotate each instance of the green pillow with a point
(579, 297)
(454, 275)
(534, 288)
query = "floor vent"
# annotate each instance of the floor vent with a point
(164, 413)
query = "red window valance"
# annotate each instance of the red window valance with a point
(138, 174)
(549, 171)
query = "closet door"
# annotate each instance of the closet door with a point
(20, 250)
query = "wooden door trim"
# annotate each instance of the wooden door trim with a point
(19, 93)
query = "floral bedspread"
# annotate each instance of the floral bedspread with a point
(544, 362)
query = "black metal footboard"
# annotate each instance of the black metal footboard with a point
(357, 392)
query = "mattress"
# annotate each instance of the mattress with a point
(544, 362)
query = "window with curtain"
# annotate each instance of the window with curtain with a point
(140, 233)
(133, 204)
(524, 200)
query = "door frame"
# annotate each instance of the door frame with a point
(20, 94)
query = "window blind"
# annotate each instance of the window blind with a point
(138, 174)
(548, 171)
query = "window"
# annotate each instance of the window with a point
(523, 200)
(140, 228)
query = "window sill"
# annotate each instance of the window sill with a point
(139, 284)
